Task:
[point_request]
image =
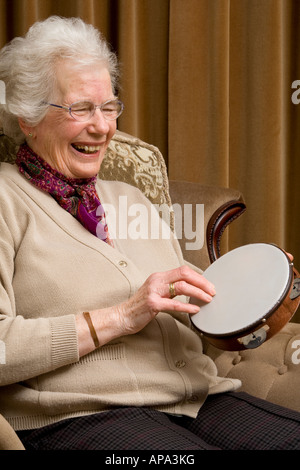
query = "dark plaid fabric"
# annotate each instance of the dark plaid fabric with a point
(238, 421)
(231, 421)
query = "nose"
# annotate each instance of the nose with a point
(98, 124)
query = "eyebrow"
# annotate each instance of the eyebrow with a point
(80, 100)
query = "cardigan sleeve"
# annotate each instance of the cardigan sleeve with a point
(29, 347)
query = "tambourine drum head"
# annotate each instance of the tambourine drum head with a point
(249, 282)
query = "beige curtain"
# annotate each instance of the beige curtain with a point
(232, 121)
(210, 83)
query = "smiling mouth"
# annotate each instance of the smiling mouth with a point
(87, 149)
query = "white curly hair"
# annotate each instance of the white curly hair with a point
(27, 67)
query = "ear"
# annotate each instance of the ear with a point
(26, 128)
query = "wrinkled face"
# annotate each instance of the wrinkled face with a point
(75, 148)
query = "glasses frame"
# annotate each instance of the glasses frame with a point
(99, 106)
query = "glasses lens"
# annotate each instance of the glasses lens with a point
(82, 111)
(112, 109)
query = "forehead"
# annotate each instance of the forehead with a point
(91, 82)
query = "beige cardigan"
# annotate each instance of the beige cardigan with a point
(51, 268)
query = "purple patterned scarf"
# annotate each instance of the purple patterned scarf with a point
(77, 196)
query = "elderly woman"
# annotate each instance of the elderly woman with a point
(100, 353)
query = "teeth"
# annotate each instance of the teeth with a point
(88, 148)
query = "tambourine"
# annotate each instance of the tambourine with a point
(258, 292)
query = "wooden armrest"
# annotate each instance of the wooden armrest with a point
(218, 222)
(8, 438)
(221, 207)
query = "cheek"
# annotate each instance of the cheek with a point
(65, 133)
(60, 127)
(55, 141)
(112, 130)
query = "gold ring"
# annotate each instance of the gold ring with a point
(172, 290)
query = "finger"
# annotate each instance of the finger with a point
(189, 290)
(191, 277)
(173, 305)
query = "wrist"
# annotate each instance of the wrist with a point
(88, 319)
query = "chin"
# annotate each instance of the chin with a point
(86, 169)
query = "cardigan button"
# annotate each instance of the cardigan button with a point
(282, 370)
(122, 263)
(236, 360)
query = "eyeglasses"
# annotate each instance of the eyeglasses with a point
(84, 110)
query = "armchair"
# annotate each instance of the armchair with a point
(271, 371)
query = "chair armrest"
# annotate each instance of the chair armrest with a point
(221, 207)
(8, 438)
(218, 222)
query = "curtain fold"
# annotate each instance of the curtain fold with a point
(210, 83)
(142, 45)
(258, 116)
(236, 63)
(199, 91)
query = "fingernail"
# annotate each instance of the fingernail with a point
(196, 309)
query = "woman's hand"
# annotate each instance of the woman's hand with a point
(154, 296)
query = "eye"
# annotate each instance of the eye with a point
(110, 108)
(82, 108)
